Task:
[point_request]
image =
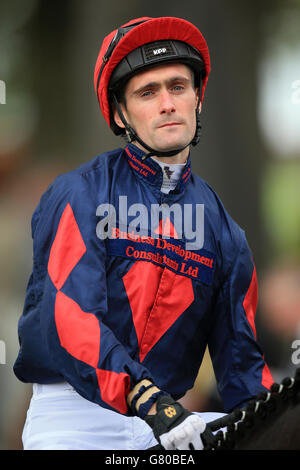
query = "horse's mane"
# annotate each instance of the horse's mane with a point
(271, 421)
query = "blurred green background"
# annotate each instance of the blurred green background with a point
(249, 151)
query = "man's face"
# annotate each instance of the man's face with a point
(160, 106)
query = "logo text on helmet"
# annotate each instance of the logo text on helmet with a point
(162, 50)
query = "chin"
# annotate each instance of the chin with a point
(173, 145)
(172, 142)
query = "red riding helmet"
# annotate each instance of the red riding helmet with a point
(168, 39)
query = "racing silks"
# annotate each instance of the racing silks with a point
(129, 283)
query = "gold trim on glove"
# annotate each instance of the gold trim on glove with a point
(145, 396)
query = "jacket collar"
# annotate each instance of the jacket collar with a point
(151, 171)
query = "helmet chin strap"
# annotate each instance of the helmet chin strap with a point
(132, 136)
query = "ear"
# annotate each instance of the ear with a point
(197, 98)
(117, 118)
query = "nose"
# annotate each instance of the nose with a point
(166, 103)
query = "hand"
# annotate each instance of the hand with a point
(175, 427)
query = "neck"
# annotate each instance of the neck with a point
(180, 157)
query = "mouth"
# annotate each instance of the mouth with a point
(170, 124)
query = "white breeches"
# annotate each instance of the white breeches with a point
(59, 418)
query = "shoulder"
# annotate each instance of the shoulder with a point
(82, 177)
(216, 211)
(97, 166)
(229, 237)
(76, 186)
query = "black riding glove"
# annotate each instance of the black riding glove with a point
(175, 427)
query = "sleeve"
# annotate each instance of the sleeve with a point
(70, 267)
(239, 366)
